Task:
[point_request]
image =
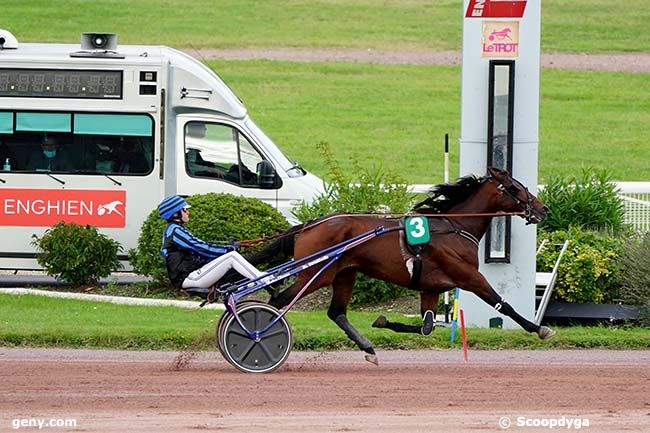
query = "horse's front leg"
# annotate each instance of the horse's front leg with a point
(428, 310)
(482, 288)
(428, 307)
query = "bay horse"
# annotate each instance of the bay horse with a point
(449, 260)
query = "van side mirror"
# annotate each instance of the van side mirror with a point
(266, 175)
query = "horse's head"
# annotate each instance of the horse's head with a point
(515, 197)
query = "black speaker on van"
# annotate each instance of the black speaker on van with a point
(99, 41)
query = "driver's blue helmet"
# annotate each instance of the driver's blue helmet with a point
(170, 205)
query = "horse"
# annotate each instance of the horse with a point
(458, 214)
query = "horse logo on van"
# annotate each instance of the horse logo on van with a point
(109, 208)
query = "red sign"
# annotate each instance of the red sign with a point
(495, 9)
(46, 207)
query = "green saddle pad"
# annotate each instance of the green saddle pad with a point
(417, 230)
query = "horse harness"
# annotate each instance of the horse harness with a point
(512, 190)
(413, 253)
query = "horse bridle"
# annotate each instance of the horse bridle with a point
(513, 190)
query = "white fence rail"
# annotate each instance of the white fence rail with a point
(636, 198)
(635, 195)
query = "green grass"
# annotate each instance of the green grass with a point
(364, 112)
(396, 116)
(567, 25)
(595, 26)
(596, 119)
(38, 321)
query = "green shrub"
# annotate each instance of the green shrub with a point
(634, 264)
(588, 271)
(590, 202)
(214, 217)
(76, 254)
(363, 190)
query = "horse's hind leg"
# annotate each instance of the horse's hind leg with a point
(383, 322)
(428, 306)
(280, 299)
(342, 293)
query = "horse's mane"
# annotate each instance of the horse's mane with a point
(444, 196)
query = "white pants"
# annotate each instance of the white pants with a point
(209, 274)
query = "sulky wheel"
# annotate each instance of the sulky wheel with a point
(264, 355)
(221, 323)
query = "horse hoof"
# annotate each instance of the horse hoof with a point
(380, 322)
(427, 330)
(429, 323)
(545, 333)
(371, 358)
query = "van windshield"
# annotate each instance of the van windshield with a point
(269, 145)
(77, 143)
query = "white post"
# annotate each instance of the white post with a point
(484, 39)
(446, 180)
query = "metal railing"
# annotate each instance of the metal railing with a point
(547, 280)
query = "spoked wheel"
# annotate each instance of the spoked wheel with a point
(250, 355)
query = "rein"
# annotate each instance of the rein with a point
(255, 242)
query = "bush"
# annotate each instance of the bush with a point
(77, 254)
(634, 263)
(590, 202)
(588, 271)
(364, 190)
(214, 217)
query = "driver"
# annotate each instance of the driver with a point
(192, 262)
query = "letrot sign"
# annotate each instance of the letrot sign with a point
(500, 39)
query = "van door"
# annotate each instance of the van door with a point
(216, 156)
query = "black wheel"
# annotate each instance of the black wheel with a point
(220, 324)
(222, 321)
(268, 352)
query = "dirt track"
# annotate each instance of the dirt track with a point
(619, 62)
(419, 391)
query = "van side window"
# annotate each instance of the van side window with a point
(76, 143)
(219, 151)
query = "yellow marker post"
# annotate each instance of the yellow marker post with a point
(454, 321)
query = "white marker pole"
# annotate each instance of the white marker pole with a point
(446, 180)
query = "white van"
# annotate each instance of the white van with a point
(98, 134)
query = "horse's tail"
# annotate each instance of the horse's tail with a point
(278, 251)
